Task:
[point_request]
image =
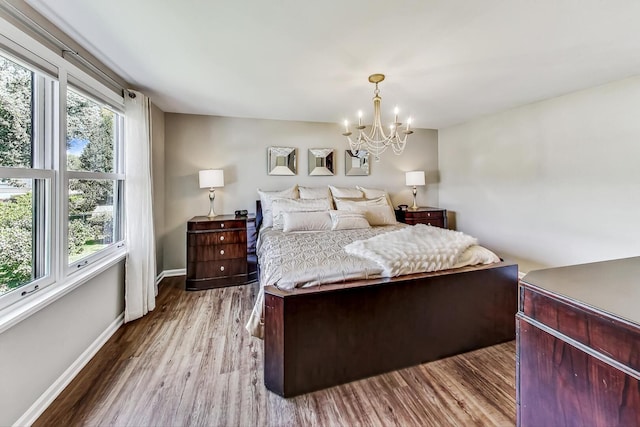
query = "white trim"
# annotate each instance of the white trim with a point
(43, 402)
(173, 273)
(521, 274)
(12, 315)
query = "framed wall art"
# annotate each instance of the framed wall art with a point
(356, 164)
(321, 161)
(281, 161)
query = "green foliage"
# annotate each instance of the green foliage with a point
(80, 232)
(15, 115)
(15, 242)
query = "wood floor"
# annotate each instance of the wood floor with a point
(191, 363)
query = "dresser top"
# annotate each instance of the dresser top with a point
(221, 218)
(612, 287)
(423, 209)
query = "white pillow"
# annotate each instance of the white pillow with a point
(352, 204)
(351, 193)
(306, 221)
(374, 193)
(266, 199)
(377, 211)
(295, 205)
(314, 192)
(345, 220)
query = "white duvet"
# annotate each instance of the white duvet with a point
(417, 249)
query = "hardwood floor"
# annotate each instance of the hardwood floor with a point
(191, 363)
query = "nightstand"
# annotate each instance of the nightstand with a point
(220, 251)
(423, 215)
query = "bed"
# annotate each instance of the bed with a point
(328, 334)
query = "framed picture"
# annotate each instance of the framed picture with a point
(321, 161)
(356, 163)
(281, 161)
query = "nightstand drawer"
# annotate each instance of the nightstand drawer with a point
(216, 237)
(436, 222)
(219, 268)
(219, 252)
(424, 215)
(216, 225)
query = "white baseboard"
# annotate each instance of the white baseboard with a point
(176, 272)
(521, 274)
(43, 402)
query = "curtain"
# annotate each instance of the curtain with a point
(140, 286)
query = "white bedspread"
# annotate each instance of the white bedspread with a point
(412, 250)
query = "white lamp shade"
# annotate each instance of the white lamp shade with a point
(415, 178)
(211, 178)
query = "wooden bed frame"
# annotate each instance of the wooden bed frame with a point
(320, 337)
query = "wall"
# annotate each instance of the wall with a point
(37, 351)
(157, 171)
(551, 183)
(239, 146)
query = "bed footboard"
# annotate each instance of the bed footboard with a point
(335, 334)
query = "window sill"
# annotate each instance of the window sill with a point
(19, 311)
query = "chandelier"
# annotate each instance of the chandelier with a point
(376, 141)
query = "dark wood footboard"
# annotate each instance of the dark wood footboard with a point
(322, 337)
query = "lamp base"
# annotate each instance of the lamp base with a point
(414, 207)
(212, 196)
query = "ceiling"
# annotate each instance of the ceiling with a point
(446, 61)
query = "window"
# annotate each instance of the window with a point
(26, 177)
(95, 179)
(61, 177)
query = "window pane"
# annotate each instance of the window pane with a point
(91, 216)
(17, 234)
(90, 135)
(15, 114)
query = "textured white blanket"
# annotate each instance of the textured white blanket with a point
(416, 249)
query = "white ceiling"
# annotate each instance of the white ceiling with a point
(446, 61)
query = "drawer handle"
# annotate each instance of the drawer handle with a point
(222, 268)
(222, 225)
(221, 237)
(428, 214)
(221, 251)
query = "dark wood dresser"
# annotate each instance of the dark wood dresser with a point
(220, 251)
(578, 345)
(423, 215)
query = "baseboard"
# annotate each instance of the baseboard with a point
(521, 274)
(176, 272)
(43, 402)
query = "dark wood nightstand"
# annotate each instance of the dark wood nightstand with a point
(423, 215)
(220, 251)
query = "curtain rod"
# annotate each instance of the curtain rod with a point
(64, 47)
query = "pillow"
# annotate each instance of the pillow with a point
(345, 220)
(351, 204)
(314, 192)
(306, 221)
(266, 199)
(377, 211)
(351, 193)
(296, 205)
(374, 193)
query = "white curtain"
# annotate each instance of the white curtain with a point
(140, 284)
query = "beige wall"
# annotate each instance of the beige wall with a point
(239, 146)
(551, 183)
(157, 171)
(38, 350)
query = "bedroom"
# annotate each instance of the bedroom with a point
(545, 182)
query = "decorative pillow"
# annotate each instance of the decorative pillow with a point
(314, 192)
(306, 221)
(266, 199)
(344, 204)
(345, 220)
(377, 211)
(343, 192)
(296, 205)
(374, 193)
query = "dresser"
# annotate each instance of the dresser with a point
(578, 345)
(220, 251)
(423, 215)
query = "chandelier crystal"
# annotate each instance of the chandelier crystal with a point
(376, 141)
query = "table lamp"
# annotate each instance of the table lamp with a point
(211, 178)
(414, 178)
